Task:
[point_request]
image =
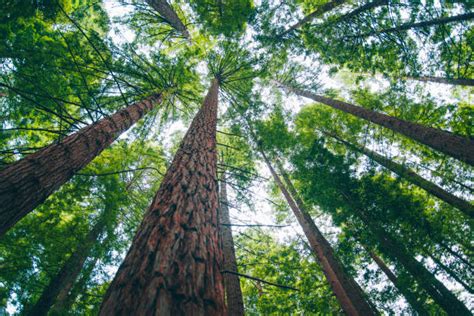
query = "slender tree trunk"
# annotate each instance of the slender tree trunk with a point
(451, 81)
(64, 280)
(167, 12)
(235, 303)
(325, 8)
(412, 177)
(453, 145)
(25, 184)
(452, 274)
(406, 292)
(347, 291)
(173, 265)
(366, 7)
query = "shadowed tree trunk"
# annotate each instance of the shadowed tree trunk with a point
(235, 303)
(64, 280)
(451, 81)
(28, 182)
(173, 266)
(412, 177)
(167, 12)
(347, 291)
(453, 145)
(406, 292)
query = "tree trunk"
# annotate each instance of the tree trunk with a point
(173, 265)
(316, 13)
(406, 292)
(28, 182)
(453, 145)
(235, 303)
(412, 177)
(64, 280)
(347, 291)
(452, 274)
(366, 7)
(451, 81)
(167, 12)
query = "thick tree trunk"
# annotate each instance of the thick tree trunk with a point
(28, 182)
(173, 266)
(235, 303)
(316, 13)
(167, 12)
(406, 292)
(64, 280)
(412, 177)
(451, 81)
(453, 145)
(347, 291)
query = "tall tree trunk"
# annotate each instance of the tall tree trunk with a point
(235, 303)
(347, 291)
(451, 81)
(167, 12)
(28, 182)
(426, 280)
(453, 145)
(173, 265)
(406, 292)
(316, 13)
(412, 177)
(452, 274)
(64, 280)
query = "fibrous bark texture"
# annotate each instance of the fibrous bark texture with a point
(167, 12)
(28, 182)
(453, 145)
(173, 266)
(235, 303)
(347, 291)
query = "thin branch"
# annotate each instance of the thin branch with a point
(260, 280)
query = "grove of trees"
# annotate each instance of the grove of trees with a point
(236, 157)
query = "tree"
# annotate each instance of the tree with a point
(169, 15)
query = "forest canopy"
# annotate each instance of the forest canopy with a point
(231, 157)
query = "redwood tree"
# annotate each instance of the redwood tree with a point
(169, 15)
(28, 182)
(174, 264)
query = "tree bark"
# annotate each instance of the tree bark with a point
(347, 291)
(167, 12)
(451, 81)
(235, 303)
(412, 177)
(28, 182)
(173, 266)
(406, 292)
(316, 13)
(453, 145)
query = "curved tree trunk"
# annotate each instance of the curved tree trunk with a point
(407, 293)
(412, 177)
(28, 182)
(173, 265)
(453, 145)
(235, 303)
(347, 291)
(451, 81)
(167, 12)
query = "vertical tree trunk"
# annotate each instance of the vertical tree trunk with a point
(451, 81)
(453, 145)
(406, 292)
(64, 280)
(235, 303)
(173, 265)
(28, 182)
(412, 177)
(167, 12)
(347, 291)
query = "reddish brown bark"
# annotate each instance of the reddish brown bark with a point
(453, 145)
(28, 182)
(167, 12)
(235, 303)
(347, 291)
(412, 177)
(173, 266)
